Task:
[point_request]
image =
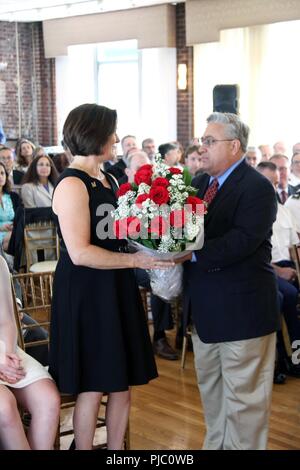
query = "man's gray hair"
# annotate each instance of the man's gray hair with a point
(140, 153)
(234, 127)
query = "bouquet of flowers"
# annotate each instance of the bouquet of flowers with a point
(160, 214)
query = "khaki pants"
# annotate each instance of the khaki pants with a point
(235, 380)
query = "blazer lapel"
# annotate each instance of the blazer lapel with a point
(225, 189)
(44, 191)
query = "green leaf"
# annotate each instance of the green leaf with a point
(187, 177)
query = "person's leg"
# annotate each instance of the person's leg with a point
(247, 368)
(162, 320)
(85, 419)
(41, 399)
(289, 308)
(40, 353)
(117, 414)
(12, 435)
(210, 383)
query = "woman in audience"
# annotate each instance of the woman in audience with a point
(38, 183)
(9, 202)
(24, 154)
(23, 382)
(60, 161)
(170, 154)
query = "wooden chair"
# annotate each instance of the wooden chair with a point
(36, 291)
(41, 247)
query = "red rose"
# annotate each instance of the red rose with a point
(141, 198)
(143, 175)
(175, 171)
(177, 218)
(133, 227)
(120, 228)
(159, 194)
(158, 225)
(129, 226)
(123, 189)
(161, 182)
(196, 205)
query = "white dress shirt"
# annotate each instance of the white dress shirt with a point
(284, 234)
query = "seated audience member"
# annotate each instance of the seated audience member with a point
(38, 183)
(60, 161)
(266, 152)
(284, 236)
(7, 158)
(23, 382)
(293, 204)
(170, 154)
(284, 189)
(279, 147)
(113, 160)
(148, 145)
(161, 311)
(180, 151)
(295, 170)
(39, 151)
(193, 160)
(252, 157)
(9, 203)
(296, 148)
(24, 154)
(127, 143)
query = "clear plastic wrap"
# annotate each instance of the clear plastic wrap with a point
(167, 283)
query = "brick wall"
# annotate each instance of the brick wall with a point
(185, 98)
(27, 85)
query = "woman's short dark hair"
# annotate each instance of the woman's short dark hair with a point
(7, 187)
(163, 149)
(31, 175)
(87, 129)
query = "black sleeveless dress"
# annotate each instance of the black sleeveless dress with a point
(99, 335)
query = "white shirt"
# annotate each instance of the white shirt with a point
(284, 234)
(294, 180)
(293, 204)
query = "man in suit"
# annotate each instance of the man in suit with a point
(118, 169)
(284, 189)
(7, 158)
(230, 291)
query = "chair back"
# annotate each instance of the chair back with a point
(41, 244)
(36, 289)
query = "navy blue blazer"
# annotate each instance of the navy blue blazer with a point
(231, 290)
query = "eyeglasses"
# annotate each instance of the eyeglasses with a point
(209, 141)
(296, 162)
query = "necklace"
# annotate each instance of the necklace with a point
(99, 177)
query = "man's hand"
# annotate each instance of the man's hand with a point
(289, 274)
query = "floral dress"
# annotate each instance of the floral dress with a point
(7, 214)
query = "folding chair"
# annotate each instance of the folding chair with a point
(41, 246)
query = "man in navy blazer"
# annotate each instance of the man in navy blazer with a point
(230, 291)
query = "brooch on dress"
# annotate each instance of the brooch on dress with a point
(93, 184)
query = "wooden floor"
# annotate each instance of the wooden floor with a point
(167, 413)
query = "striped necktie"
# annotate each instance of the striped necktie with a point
(211, 191)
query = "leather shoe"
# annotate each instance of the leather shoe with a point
(162, 348)
(287, 367)
(279, 378)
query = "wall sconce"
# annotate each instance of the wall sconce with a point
(182, 77)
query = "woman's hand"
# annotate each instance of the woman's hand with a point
(6, 227)
(11, 370)
(143, 261)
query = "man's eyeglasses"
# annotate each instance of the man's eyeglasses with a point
(209, 141)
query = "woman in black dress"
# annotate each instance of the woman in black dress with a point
(99, 336)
